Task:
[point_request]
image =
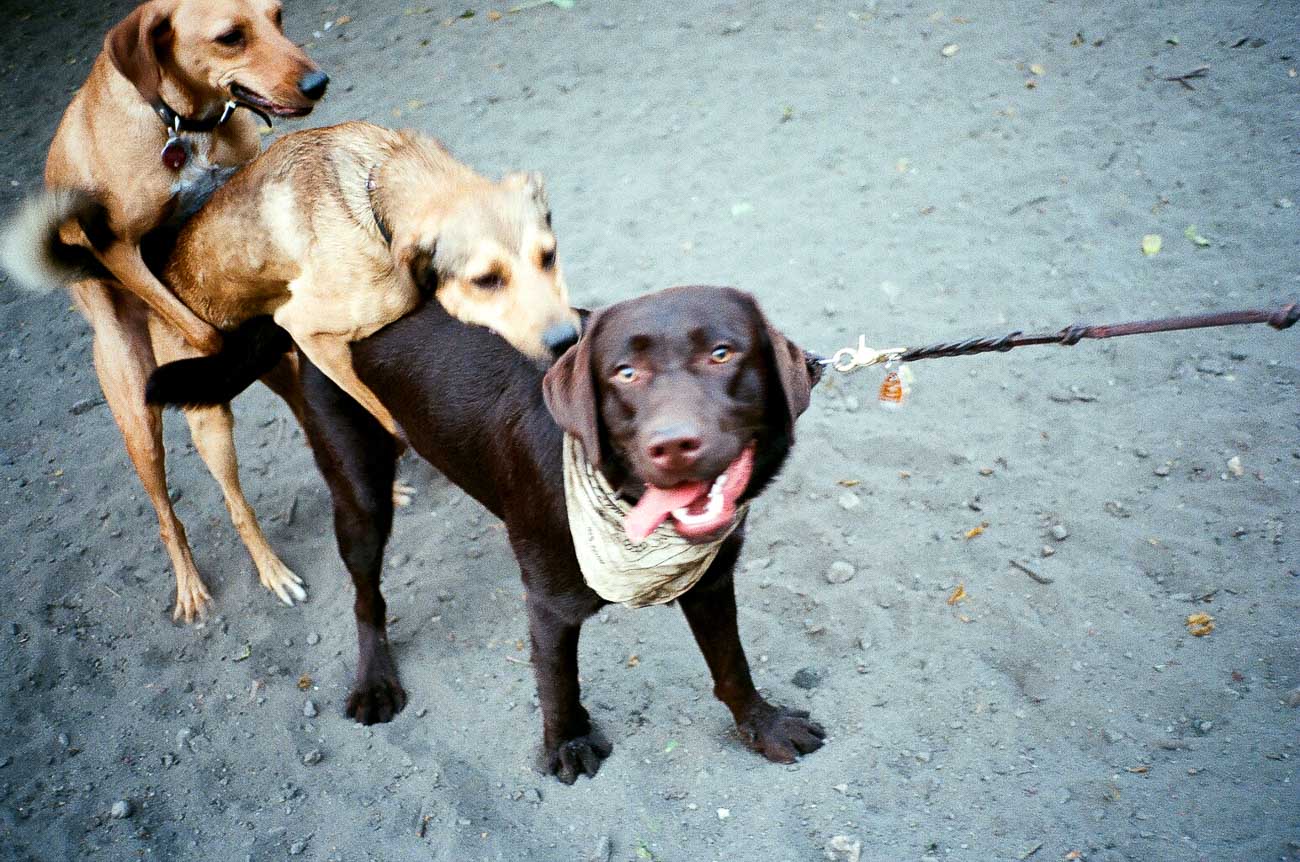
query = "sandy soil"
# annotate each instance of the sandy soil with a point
(831, 159)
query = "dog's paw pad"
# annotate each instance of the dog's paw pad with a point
(581, 755)
(376, 701)
(780, 734)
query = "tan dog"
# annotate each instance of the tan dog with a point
(337, 232)
(148, 127)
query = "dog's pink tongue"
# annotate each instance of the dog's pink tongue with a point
(655, 504)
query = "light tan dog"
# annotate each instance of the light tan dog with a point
(149, 126)
(337, 232)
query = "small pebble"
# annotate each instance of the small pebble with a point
(923, 757)
(297, 848)
(849, 501)
(806, 678)
(1060, 533)
(309, 709)
(313, 639)
(843, 848)
(1047, 550)
(840, 572)
(724, 813)
(1162, 470)
(312, 757)
(1234, 466)
(1293, 699)
(121, 810)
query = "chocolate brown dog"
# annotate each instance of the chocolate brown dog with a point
(684, 401)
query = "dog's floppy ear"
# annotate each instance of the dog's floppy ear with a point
(796, 371)
(133, 47)
(570, 392)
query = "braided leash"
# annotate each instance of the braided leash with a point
(852, 358)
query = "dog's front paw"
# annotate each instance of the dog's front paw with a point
(376, 699)
(780, 734)
(569, 758)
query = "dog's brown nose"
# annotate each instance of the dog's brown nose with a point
(675, 448)
(313, 84)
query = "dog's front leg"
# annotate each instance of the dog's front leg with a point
(778, 733)
(570, 745)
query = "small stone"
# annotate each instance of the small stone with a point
(724, 813)
(1234, 466)
(1047, 551)
(309, 709)
(1293, 699)
(1205, 726)
(313, 639)
(849, 501)
(806, 678)
(15, 629)
(1060, 533)
(758, 564)
(923, 757)
(843, 848)
(121, 810)
(950, 50)
(1283, 203)
(733, 28)
(64, 740)
(1162, 470)
(85, 405)
(840, 572)
(421, 712)
(297, 848)
(1141, 453)
(184, 739)
(313, 757)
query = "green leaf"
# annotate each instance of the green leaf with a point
(1195, 238)
(671, 746)
(643, 852)
(1151, 244)
(468, 13)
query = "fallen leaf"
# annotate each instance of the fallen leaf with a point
(950, 49)
(1074, 854)
(958, 594)
(1172, 40)
(494, 15)
(1151, 244)
(1200, 625)
(633, 660)
(1037, 69)
(342, 19)
(672, 744)
(975, 531)
(468, 13)
(248, 651)
(1194, 237)
(1139, 770)
(304, 682)
(849, 483)
(1031, 84)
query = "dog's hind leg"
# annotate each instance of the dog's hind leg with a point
(213, 432)
(358, 458)
(123, 362)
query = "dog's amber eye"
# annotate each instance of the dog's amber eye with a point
(625, 373)
(488, 280)
(232, 38)
(722, 353)
(548, 258)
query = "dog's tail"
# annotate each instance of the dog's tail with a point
(34, 254)
(248, 352)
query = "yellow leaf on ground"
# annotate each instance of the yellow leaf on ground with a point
(975, 531)
(1037, 69)
(958, 594)
(1151, 244)
(1200, 625)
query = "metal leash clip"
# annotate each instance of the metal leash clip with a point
(848, 359)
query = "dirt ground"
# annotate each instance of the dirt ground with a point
(838, 160)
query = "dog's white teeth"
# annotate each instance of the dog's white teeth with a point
(719, 483)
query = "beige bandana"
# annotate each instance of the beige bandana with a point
(652, 572)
